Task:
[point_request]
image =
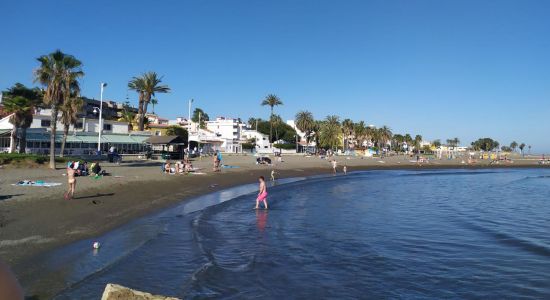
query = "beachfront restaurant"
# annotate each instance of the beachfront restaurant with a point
(80, 143)
(167, 146)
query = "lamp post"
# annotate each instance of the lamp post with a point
(189, 127)
(103, 85)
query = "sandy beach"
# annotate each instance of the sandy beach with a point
(37, 219)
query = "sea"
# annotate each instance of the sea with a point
(393, 234)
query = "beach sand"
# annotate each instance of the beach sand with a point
(37, 219)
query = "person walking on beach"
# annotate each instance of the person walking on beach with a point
(273, 175)
(345, 170)
(262, 194)
(334, 165)
(71, 182)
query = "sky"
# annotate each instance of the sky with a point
(442, 69)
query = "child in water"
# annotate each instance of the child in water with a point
(262, 194)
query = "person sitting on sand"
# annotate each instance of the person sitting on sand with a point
(95, 168)
(188, 166)
(71, 180)
(262, 194)
(167, 167)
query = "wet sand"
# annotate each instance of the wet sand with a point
(38, 219)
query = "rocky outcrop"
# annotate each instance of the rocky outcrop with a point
(118, 292)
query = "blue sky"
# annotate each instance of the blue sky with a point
(442, 69)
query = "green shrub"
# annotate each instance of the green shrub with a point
(248, 146)
(17, 158)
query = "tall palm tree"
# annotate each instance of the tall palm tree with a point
(69, 116)
(59, 74)
(146, 85)
(305, 123)
(271, 101)
(417, 142)
(347, 130)
(360, 132)
(22, 109)
(330, 132)
(154, 102)
(514, 145)
(398, 140)
(384, 135)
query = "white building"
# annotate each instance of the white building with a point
(229, 130)
(303, 141)
(262, 140)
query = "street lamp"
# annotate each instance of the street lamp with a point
(189, 128)
(103, 85)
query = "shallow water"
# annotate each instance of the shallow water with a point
(377, 234)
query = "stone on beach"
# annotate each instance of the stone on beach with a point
(119, 292)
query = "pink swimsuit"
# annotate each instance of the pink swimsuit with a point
(262, 196)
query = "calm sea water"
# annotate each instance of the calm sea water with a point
(379, 234)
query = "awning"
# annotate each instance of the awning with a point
(166, 140)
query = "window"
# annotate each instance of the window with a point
(45, 123)
(107, 127)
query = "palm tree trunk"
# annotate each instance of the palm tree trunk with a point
(271, 125)
(140, 115)
(23, 140)
(65, 133)
(13, 139)
(53, 128)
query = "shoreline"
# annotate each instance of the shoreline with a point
(30, 227)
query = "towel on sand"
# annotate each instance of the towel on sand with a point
(36, 183)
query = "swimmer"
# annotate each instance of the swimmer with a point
(262, 194)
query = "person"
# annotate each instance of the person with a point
(219, 158)
(273, 175)
(71, 180)
(334, 165)
(167, 167)
(96, 168)
(262, 194)
(216, 163)
(345, 170)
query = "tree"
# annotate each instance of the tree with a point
(69, 116)
(529, 149)
(21, 102)
(199, 114)
(521, 147)
(384, 135)
(360, 132)
(436, 143)
(177, 130)
(305, 123)
(347, 130)
(127, 116)
(284, 131)
(513, 145)
(59, 74)
(330, 132)
(417, 142)
(506, 149)
(146, 85)
(271, 101)
(153, 103)
(485, 144)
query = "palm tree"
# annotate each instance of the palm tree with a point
(521, 148)
(436, 143)
(417, 142)
(59, 73)
(146, 85)
(360, 132)
(154, 102)
(69, 116)
(22, 109)
(398, 140)
(347, 130)
(271, 101)
(305, 123)
(330, 132)
(384, 135)
(513, 145)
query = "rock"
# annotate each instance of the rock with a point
(118, 292)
